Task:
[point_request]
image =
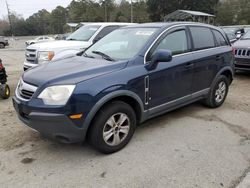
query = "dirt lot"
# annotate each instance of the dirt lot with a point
(190, 147)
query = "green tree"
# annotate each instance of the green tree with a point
(40, 22)
(233, 12)
(58, 19)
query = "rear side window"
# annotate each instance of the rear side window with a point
(202, 38)
(219, 38)
(176, 42)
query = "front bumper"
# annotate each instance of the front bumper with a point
(242, 64)
(27, 65)
(55, 126)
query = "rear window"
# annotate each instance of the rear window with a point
(219, 38)
(202, 38)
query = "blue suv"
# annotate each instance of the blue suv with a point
(131, 75)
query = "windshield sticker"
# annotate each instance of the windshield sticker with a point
(92, 28)
(147, 33)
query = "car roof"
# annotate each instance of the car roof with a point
(109, 23)
(169, 24)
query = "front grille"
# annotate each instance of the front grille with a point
(25, 91)
(26, 94)
(31, 56)
(243, 53)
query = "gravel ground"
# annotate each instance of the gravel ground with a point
(190, 147)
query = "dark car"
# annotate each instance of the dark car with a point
(3, 42)
(131, 75)
(242, 53)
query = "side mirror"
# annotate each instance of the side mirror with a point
(159, 56)
(96, 39)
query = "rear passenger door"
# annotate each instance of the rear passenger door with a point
(206, 58)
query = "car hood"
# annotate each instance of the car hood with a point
(50, 46)
(242, 44)
(70, 70)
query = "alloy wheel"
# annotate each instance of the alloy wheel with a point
(116, 129)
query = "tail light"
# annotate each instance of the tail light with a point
(1, 66)
(233, 50)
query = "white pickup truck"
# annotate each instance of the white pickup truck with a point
(82, 38)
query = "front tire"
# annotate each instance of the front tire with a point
(113, 127)
(218, 92)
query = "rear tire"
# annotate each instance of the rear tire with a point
(5, 91)
(113, 127)
(218, 92)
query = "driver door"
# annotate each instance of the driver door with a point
(170, 83)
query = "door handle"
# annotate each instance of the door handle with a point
(218, 57)
(189, 65)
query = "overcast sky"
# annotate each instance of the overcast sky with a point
(27, 7)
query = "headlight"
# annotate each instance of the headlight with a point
(57, 95)
(45, 56)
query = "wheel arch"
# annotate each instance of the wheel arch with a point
(226, 71)
(128, 97)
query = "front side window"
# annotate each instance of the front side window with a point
(84, 33)
(121, 44)
(202, 38)
(176, 42)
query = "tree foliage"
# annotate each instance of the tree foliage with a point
(43, 22)
(233, 12)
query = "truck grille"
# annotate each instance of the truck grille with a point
(31, 56)
(25, 91)
(242, 53)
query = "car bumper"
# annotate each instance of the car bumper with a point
(27, 65)
(55, 126)
(242, 64)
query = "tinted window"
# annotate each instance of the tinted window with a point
(219, 38)
(202, 38)
(176, 42)
(105, 31)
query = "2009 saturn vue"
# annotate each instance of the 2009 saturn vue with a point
(133, 74)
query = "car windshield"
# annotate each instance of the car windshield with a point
(230, 29)
(84, 33)
(121, 44)
(246, 36)
(231, 36)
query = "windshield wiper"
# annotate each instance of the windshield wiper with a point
(71, 39)
(104, 56)
(86, 55)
